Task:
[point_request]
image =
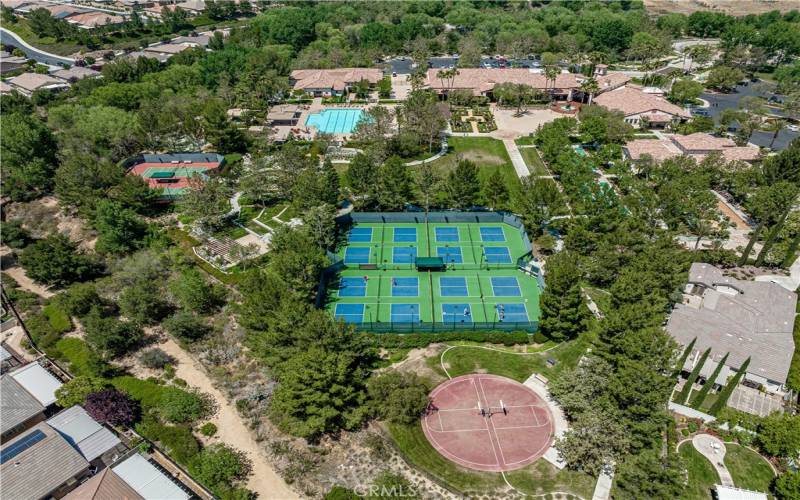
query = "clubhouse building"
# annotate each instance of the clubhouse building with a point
(332, 82)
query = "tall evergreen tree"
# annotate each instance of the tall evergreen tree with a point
(463, 185)
(564, 311)
(394, 185)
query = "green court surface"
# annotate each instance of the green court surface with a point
(379, 287)
(174, 172)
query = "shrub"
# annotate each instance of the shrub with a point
(219, 466)
(110, 335)
(179, 406)
(193, 292)
(75, 391)
(79, 299)
(417, 340)
(14, 235)
(398, 397)
(176, 440)
(155, 358)
(208, 429)
(142, 303)
(341, 493)
(112, 407)
(186, 326)
(55, 260)
(539, 338)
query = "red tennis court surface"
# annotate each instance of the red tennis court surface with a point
(496, 440)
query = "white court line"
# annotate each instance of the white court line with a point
(533, 412)
(520, 427)
(441, 425)
(494, 431)
(453, 457)
(491, 441)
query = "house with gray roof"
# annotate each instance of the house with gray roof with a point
(40, 463)
(19, 409)
(744, 319)
(25, 394)
(85, 434)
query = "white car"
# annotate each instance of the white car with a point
(793, 127)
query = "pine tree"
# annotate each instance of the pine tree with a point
(394, 185)
(331, 182)
(494, 189)
(462, 185)
(564, 311)
(684, 357)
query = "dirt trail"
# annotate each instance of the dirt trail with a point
(232, 431)
(26, 283)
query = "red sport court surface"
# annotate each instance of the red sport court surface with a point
(500, 442)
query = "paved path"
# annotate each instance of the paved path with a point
(516, 158)
(714, 450)
(602, 489)
(559, 421)
(232, 431)
(8, 37)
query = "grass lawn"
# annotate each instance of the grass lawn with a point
(488, 154)
(524, 141)
(77, 353)
(533, 161)
(702, 476)
(541, 477)
(417, 450)
(750, 470)
(600, 297)
(57, 318)
(49, 44)
(464, 360)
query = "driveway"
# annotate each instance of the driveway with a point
(10, 38)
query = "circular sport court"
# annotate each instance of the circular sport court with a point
(488, 423)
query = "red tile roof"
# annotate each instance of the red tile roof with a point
(632, 101)
(481, 80)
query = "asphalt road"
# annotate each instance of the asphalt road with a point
(720, 102)
(10, 38)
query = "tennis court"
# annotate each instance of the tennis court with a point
(479, 285)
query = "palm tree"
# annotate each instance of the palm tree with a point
(550, 74)
(775, 126)
(591, 88)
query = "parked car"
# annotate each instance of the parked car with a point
(793, 127)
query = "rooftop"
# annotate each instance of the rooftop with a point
(38, 462)
(34, 81)
(336, 79)
(147, 480)
(481, 80)
(744, 318)
(40, 383)
(83, 432)
(730, 493)
(16, 404)
(95, 19)
(104, 486)
(697, 145)
(633, 101)
(76, 72)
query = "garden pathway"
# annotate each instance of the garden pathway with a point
(232, 431)
(516, 158)
(714, 450)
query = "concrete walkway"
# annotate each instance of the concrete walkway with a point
(560, 425)
(602, 489)
(714, 450)
(516, 158)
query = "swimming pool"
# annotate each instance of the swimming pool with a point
(335, 121)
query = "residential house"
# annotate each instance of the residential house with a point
(75, 73)
(9, 64)
(332, 82)
(28, 83)
(40, 463)
(284, 114)
(95, 19)
(642, 109)
(98, 445)
(25, 394)
(743, 319)
(697, 145)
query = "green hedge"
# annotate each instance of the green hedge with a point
(172, 403)
(415, 340)
(176, 440)
(58, 318)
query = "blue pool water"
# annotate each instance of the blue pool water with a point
(335, 121)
